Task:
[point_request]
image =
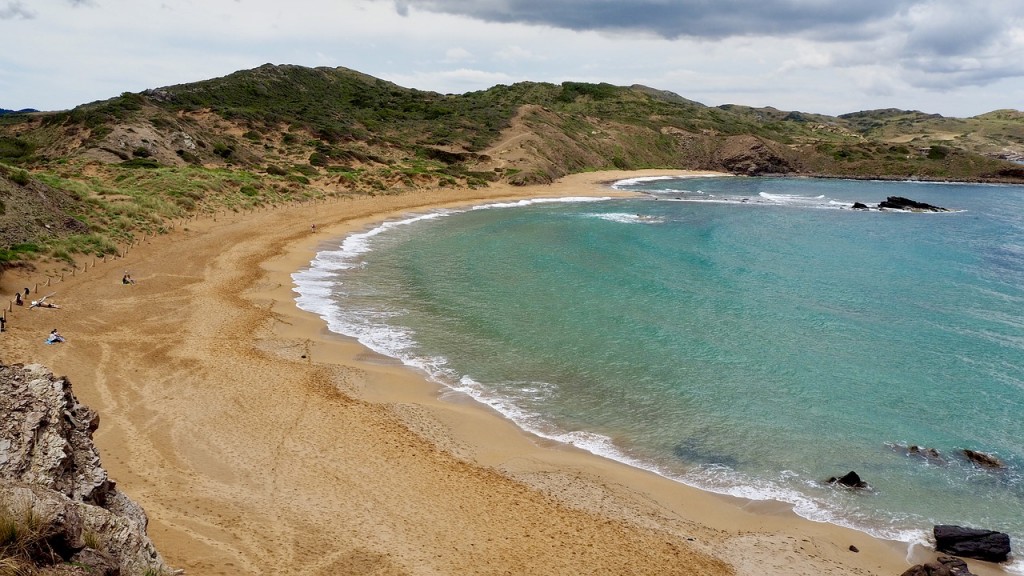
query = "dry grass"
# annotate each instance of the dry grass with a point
(24, 540)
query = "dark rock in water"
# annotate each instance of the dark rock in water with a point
(982, 459)
(929, 453)
(859, 206)
(850, 480)
(943, 566)
(900, 203)
(985, 545)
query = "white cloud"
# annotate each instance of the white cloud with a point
(831, 57)
(458, 55)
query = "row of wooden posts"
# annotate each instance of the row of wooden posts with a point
(50, 280)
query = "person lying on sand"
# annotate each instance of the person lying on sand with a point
(42, 303)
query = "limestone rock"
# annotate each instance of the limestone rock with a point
(50, 476)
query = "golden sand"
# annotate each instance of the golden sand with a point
(260, 443)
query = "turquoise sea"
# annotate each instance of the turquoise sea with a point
(749, 336)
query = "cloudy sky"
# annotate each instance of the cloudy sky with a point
(952, 57)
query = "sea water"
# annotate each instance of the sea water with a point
(748, 336)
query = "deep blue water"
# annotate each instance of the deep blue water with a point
(748, 336)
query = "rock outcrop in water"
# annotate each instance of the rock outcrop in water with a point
(982, 459)
(901, 203)
(53, 488)
(985, 545)
(851, 480)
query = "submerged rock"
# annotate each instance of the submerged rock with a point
(987, 545)
(930, 455)
(982, 459)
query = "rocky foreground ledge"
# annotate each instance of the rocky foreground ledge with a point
(58, 507)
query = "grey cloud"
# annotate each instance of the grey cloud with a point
(16, 10)
(929, 43)
(678, 18)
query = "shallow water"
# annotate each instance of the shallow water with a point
(748, 336)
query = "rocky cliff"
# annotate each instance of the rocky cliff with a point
(57, 504)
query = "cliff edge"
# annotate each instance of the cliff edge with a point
(58, 507)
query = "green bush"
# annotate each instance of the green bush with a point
(318, 159)
(20, 177)
(14, 148)
(938, 152)
(223, 150)
(140, 163)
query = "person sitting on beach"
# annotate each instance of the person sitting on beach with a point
(54, 337)
(18, 300)
(127, 279)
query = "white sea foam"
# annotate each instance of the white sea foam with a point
(521, 203)
(624, 218)
(634, 181)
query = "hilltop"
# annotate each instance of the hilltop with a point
(79, 181)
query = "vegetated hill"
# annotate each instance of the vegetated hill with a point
(285, 133)
(998, 134)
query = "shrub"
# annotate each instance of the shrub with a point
(140, 163)
(20, 177)
(223, 150)
(188, 157)
(276, 170)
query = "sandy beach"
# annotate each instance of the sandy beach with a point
(260, 443)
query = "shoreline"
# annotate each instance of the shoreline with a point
(257, 440)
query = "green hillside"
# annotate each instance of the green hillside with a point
(279, 134)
